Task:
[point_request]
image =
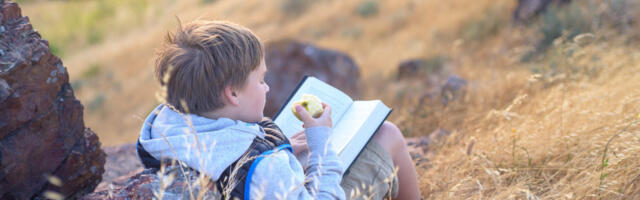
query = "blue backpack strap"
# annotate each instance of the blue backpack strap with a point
(247, 182)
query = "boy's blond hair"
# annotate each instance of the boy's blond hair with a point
(201, 59)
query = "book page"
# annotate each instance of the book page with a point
(335, 98)
(356, 128)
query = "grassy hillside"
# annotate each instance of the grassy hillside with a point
(108, 45)
(546, 114)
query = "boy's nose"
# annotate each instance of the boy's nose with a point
(267, 85)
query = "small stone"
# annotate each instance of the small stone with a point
(453, 89)
(584, 39)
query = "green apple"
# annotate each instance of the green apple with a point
(311, 103)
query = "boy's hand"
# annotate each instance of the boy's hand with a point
(299, 143)
(323, 120)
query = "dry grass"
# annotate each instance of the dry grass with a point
(569, 131)
(568, 134)
(400, 30)
(563, 126)
(549, 142)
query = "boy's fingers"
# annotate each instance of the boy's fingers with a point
(304, 115)
(327, 110)
(299, 135)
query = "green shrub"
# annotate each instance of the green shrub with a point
(93, 71)
(434, 63)
(565, 21)
(78, 24)
(558, 20)
(570, 60)
(76, 85)
(367, 8)
(622, 16)
(96, 102)
(489, 24)
(55, 50)
(294, 7)
(94, 36)
(353, 32)
(207, 1)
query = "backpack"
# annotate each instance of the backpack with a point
(234, 182)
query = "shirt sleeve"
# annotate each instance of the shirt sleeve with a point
(280, 175)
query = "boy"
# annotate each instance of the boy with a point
(212, 121)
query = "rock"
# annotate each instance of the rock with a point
(418, 148)
(147, 184)
(428, 74)
(435, 79)
(418, 145)
(42, 133)
(121, 161)
(527, 9)
(409, 69)
(288, 61)
(453, 89)
(431, 68)
(438, 136)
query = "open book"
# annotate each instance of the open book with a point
(354, 122)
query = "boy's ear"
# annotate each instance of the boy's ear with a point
(231, 96)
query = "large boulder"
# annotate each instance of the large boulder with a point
(126, 178)
(173, 182)
(44, 145)
(288, 61)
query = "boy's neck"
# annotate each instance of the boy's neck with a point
(224, 112)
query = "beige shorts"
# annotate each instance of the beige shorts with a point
(371, 176)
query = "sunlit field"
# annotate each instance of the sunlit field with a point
(551, 108)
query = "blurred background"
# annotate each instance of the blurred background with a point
(521, 99)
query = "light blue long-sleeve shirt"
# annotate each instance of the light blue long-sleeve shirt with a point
(218, 143)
